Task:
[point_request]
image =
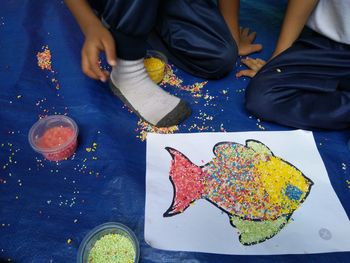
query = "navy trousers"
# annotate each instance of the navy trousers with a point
(192, 32)
(307, 86)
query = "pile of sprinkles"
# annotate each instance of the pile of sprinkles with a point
(44, 62)
(145, 127)
(171, 79)
(44, 59)
(112, 248)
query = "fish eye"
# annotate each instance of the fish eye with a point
(293, 192)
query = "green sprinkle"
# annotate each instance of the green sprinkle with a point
(252, 232)
(112, 248)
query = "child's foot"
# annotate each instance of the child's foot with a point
(131, 83)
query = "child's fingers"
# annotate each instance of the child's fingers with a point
(252, 36)
(106, 72)
(251, 63)
(94, 65)
(246, 72)
(86, 67)
(245, 31)
(109, 48)
(261, 62)
(255, 48)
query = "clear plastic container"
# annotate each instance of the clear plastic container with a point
(98, 232)
(155, 63)
(55, 137)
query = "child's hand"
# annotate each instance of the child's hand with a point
(245, 46)
(254, 66)
(97, 39)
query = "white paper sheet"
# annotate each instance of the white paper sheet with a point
(319, 225)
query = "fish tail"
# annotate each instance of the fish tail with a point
(186, 179)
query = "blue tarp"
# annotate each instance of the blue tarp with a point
(46, 208)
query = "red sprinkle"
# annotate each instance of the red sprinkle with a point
(56, 137)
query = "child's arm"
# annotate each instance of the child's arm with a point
(230, 11)
(297, 14)
(97, 39)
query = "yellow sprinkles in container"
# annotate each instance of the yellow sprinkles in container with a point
(112, 248)
(155, 65)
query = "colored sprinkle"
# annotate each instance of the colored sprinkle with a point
(222, 129)
(44, 59)
(112, 248)
(171, 79)
(343, 166)
(145, 127)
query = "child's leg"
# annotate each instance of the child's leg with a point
(130, 23)
(305, 86)
(196, 37)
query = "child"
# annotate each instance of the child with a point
(194, 32)
(306, 84)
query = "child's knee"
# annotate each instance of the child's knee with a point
(220, 64)
(258, 100)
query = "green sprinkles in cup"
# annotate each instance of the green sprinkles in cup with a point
(112, 248)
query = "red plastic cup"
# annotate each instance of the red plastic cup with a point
(55, 137)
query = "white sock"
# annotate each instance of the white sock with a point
(131, 83)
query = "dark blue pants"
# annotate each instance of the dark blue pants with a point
(307, 86)
(192, 32)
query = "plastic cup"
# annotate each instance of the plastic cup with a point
(55, 137)
(98, 232)
(155, 63)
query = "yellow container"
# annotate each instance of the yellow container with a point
(155, 63)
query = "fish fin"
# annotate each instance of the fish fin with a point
(228, 147)
(254, 232)
(258, 147)
(186, 179)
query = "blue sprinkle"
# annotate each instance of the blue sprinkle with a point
(293, 192)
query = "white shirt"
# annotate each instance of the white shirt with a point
(331, 18)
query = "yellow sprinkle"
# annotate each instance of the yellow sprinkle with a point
(153, 63)
(155, 69)
(69, 241)
(275, 176)
(88, 150)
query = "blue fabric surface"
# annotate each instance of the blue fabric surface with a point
(44, 204)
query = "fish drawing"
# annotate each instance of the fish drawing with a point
(256, 189)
